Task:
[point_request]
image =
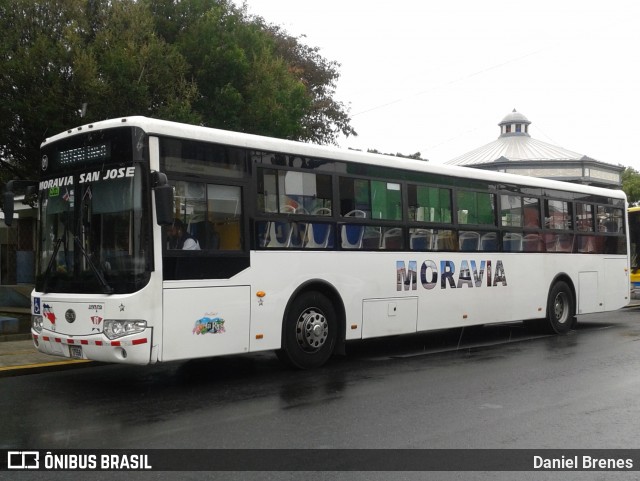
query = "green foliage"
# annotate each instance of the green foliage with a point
(130, 71)
(416, 156)
(327, 117)
(631, 184)
(243, 86)
(37, 85)
(198, 61)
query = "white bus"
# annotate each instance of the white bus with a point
(160, 241)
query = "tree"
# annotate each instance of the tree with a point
(416, 156)
(242, 84)
(631, 184)
(57, 55)
(198, 61)
(253, 76)
(126, 69)
(36, 81)
(327, 117)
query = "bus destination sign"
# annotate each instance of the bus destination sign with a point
(84, 154)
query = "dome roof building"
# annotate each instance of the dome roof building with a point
(516, 152)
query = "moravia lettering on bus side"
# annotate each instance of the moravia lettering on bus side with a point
(470, 273)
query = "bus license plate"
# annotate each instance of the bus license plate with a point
(75, 352)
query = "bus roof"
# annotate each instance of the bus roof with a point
(174, 129)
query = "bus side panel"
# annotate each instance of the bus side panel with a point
(483, 288)
(616, 278)
(589, 298)
(205, 321)
(390, 316)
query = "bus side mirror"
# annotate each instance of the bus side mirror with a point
(30, 192)
(164, 204)
(164, 199)
(30, 188)
(7, 207)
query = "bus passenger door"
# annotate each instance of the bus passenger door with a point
(205, 321)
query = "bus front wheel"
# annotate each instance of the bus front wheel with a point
(309, 332)
(560, 308)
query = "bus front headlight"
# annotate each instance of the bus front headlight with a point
(36, 323)
(115, 328)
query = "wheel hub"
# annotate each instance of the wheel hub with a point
(312, 329)
(560, 308)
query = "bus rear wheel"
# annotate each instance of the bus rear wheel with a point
(560, 308)
(309, 331)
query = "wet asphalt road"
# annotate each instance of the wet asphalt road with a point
(492, 387)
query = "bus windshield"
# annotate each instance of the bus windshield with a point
(93, 236)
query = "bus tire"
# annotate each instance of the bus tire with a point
(560, 308)
(310, 331)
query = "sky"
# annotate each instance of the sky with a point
(436, 77)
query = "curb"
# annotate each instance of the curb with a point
(26, 369)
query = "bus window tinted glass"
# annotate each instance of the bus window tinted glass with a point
(429, 204)
(222, 227)
(190, 207)
(268, 190)
(531, 212)
(201, 158)
(371, 199)
(511, 210)
(557, 214)
(610, 219)
(305, 192)
(386, 200)
(355, 197)
(584, 217)
(208, 216)
(294, 192)
(476, 208)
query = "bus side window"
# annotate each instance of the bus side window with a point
(610, 219)
(223, 227)
(355, 196)
(190, 210)
(584, 217)
(207, 214)
(386, 200)
(476, 208)
(511, 210)
(292, 192)
(557, 214)
(531, 212)
(429, 204)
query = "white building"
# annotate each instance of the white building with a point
(516, 152)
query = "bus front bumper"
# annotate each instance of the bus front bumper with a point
(133, 349)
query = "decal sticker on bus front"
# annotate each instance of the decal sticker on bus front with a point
(209, 324)
(96, 321)
(49, 314)
(471, 273)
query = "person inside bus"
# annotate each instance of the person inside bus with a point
(179, 237)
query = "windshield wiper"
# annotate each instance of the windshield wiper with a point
(106, 288)
(56, 248)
